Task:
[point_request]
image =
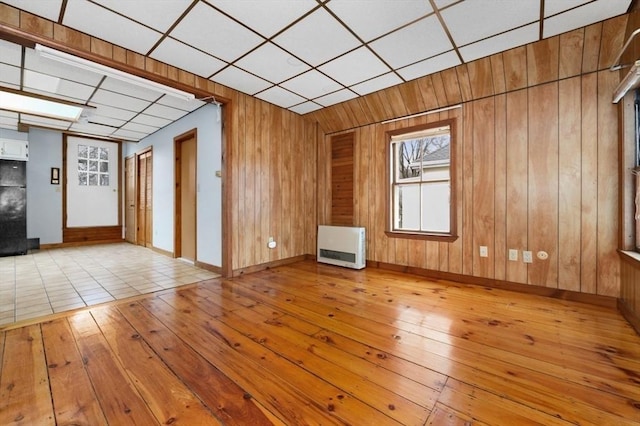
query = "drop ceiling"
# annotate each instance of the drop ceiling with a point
(301, 55)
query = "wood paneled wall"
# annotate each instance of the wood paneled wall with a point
(539, 163)
(274, 180)
(269, 154)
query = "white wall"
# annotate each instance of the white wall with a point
(44, 200)
(209, 146)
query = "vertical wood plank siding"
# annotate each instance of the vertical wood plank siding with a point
(539, 162)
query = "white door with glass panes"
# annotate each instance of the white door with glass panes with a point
(92, 182)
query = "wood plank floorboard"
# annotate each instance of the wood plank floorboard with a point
(315, 344)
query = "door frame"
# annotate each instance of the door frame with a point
(177, 203)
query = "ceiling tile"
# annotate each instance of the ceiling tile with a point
(317, 38)
(336, 97)
(117, 100)
(182, 104)
(56, 95)
(107, 121)
(511, 14)
(163, 111)
(49, 9)
(409, 45)
(10, 53)
(91, 128)
(279, 96)
(240, 80)
(148, 12)
(137, 127)
(305, 107)
(9, 75)
(281, 65)
(76, 91)
(311, 84)
(212, 32)
(99, 22)
(150, 120)
(187, 58)
(36, 80)
(113, 112)
(44, 122)
(381, 16)
(378, 83)
(501, 42)
(552, 7)
(355, 67)
(583, 16)
(35, 62)
(265, 17)
(444, 3)
(429, 66)
(129, 89)
(129, 135)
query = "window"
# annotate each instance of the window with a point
(421, 181)
(93, 166)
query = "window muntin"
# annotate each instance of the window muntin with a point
(421, 190)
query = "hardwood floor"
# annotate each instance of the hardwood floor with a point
(316, 344)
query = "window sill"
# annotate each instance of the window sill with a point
(630, 256)
(445, 238)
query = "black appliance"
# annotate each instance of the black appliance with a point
(13, 207)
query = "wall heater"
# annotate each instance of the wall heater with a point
(342, 246)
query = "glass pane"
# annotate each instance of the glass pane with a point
(82, 165)
(93, 166)
(82, 151)
(93, 179)
(104, 154)
(82, 178)
(104, 167)
(407, 159)
(436, 158)
(93, 152)
(104, 180)
(436, 208)
(406, 199)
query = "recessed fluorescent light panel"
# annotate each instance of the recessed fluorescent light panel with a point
(40, 107)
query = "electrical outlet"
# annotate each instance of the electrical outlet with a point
(513, 255)
(484, 251)
(527, 256)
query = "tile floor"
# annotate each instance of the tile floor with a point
(50, 281)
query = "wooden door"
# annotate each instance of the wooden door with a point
(144, 212)
(130, 199)
(186, 187)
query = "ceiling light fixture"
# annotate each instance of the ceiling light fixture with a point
(631, 81)
(34, 105)
(65, 58)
